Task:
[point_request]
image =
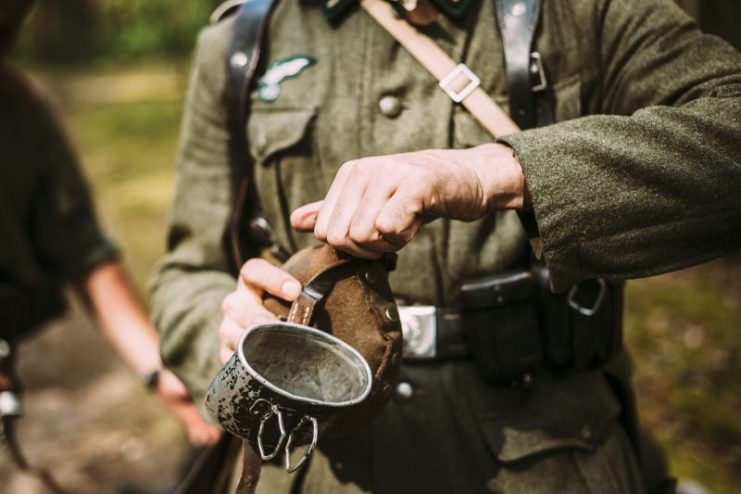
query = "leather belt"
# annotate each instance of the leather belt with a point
(517, 332)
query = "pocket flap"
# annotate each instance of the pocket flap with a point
(553, 414)
(272, 131)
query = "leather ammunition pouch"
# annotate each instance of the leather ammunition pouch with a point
(516, 328)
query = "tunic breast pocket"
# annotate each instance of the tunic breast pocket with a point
(554, 414)
(287, 172)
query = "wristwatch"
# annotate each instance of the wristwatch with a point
(151, 378)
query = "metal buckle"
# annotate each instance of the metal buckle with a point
(419, 329)
(473, 82)
(587, 311)
(536, 68)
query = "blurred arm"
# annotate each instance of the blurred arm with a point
(124, 322)
(121, 316)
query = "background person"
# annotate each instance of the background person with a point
(51, 238)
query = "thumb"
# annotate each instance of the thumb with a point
(303, 219)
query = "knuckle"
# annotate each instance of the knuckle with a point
(386, 226)
(336, 239)
(320, 235)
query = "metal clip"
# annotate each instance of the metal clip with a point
(281, 427)
(587, 311)
(473, 83)
(309, 448)
(536, 68)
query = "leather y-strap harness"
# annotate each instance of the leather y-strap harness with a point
(249, 232)
(243, 57)
(528, 101)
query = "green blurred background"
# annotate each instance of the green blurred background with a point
(117, 71)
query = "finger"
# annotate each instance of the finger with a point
(244, 307)
(328, 205)
(345, 208)
(229, 334)
(225, 354)
(399, 220)
(303, 219)
(363, 226)
(259, 274)
(200, 432)
(357, 250)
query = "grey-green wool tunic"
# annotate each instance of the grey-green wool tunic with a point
(638, 176)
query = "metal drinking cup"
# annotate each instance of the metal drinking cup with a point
(284, 385)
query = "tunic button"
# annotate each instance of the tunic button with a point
(404, 390)
(390, 106)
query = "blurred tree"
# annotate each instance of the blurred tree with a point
(64, 31)
(78, 31)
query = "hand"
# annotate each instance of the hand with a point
(176, 397)
(377, 205)
(243, 307)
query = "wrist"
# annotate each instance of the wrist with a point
(151, 378)
(501, 177)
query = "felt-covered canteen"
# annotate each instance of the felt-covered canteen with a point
(289, 382)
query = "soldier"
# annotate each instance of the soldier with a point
(631, 171)
(51, 238)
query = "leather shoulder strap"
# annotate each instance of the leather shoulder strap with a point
(456, 79)
(517, 21)
(242, 60)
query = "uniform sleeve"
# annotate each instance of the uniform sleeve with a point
(191, 281)
(66, 235)
(650, 184)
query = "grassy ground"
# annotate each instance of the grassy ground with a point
(684, 328)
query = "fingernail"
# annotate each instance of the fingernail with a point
(291, 289)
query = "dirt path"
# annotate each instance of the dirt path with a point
(87, 418)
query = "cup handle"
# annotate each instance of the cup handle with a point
(309, 449)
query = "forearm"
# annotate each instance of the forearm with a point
(122, 317)
(633, 196)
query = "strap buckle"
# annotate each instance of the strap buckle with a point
(536, 70)
(460, 70)
(595, 306)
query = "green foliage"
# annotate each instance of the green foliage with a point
(78, 31)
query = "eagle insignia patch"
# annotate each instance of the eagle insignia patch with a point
(268, 87)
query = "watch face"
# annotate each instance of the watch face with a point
(151, 378)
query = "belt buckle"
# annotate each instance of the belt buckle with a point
(419, 327)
